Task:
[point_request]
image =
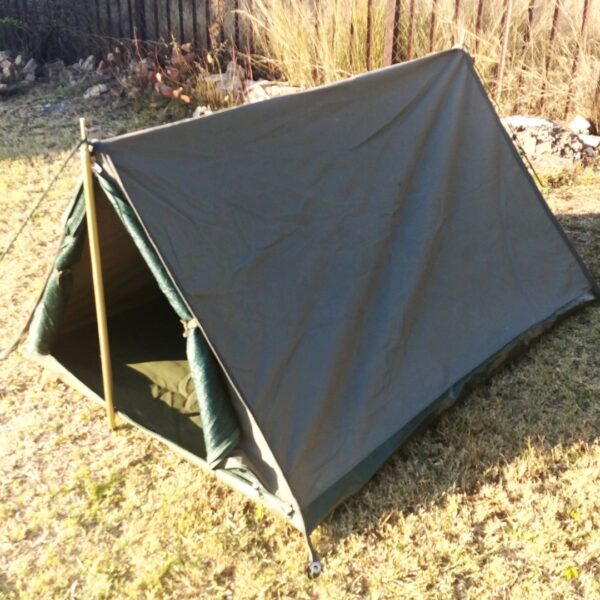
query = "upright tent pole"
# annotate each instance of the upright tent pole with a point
(92, 228)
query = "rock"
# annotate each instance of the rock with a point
(589, 151)
(19, 61)
(3, 87)
(228, 83)
(263, 90)
(200, 111)
(592, 141)
(551, 162)
(529, 144)
(539, 137)
(7, 73)
(89, 64)
(517, 122)
(255, 91)
(579, 125)
(30, 67)
(30, 77)
(224, 83)
(235, 71)
(281, 89)
(543, 148)
(95, 91)
(55, 70)
(5, 63)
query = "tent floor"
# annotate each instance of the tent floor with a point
(151, 376)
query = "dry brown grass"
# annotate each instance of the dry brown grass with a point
(309, 45)
(501, 499)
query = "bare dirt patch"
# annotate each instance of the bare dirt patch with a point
(500, 499)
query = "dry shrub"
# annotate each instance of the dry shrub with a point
(160, 74)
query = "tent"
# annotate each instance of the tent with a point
(294, 286)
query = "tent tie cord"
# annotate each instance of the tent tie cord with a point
(189, 326)
(41, 199)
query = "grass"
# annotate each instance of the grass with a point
(501, 499)
(309, 46)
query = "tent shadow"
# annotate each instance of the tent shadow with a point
(539, 402)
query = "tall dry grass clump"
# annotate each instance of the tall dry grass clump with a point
(311, 42)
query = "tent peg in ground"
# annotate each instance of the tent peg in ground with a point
(315, 567)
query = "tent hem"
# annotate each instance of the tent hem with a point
(252, 490)
(361, 473)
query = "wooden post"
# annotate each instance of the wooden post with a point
(181, 28)
(194, 25)
(433, 26)
(478, 23)
(580, 44)
(369, 32)
(596, 104)
(555, 15)
(524, 48)
(455, 21)
(392, 25)
(168, 19)
(504, 47)
(411, 31)
(92, 229)
(130, 17)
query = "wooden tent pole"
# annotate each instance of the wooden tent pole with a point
(92, 228)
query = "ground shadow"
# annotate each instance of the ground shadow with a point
(541, 398)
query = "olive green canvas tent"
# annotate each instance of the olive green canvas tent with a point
(294, 286)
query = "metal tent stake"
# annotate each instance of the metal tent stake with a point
(92, 229)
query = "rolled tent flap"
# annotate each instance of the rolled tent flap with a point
(48, 313)
(219, 423)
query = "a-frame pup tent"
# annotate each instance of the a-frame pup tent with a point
(342, 263)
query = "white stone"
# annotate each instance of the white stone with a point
(543, 148)
(55, 70)
(30, 66)
(235, 71)
(593, 141)
(255, 91)
(89, 64)
(19, 61)
(579, 125)
(224, 83)
(200, 111)
(96, 90)
(281, 89)
(517, 121)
